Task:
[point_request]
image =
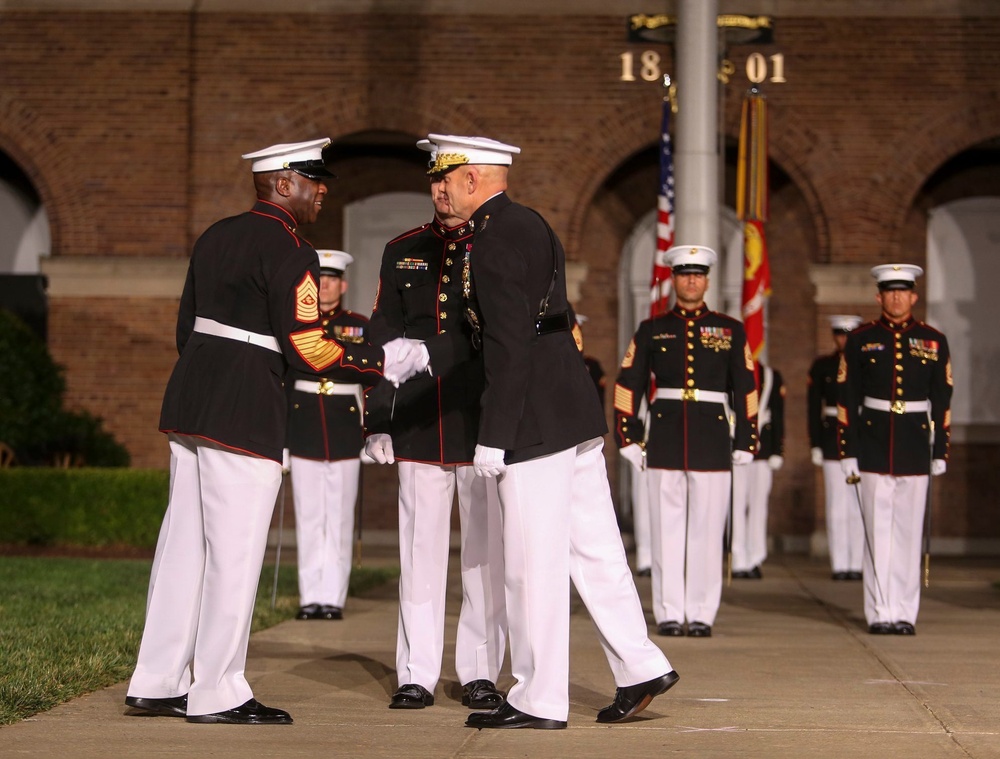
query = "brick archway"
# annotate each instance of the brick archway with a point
(41, 157)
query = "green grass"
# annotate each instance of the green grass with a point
(70, 626)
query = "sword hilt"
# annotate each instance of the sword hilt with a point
(853, 479)
(927, 570)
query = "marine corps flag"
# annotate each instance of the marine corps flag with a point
(659, 291)
(751, 207)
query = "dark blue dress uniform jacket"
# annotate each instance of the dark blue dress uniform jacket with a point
(894, 362)
(823, 393)
(327, 427)
(431, 418)
(251, 272)
(689, 349)
(539, 396)
(771, 434)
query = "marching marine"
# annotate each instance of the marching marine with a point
(324, 440)
(894, 422)
(702, 367)
(844, 534)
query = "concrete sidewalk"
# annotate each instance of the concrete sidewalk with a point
(789, 672)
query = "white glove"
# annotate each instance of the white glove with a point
(634, 455)
(379, 447)
(849, 467)
(775, 462)
(938, 467)
(403, 359)
(742, 458)
(488, 462)
(817, 456)
(365, 458)
(286, 461)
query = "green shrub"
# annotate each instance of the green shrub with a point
(33, 421)
(82, 507)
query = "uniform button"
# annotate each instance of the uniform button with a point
(353, 410)
(690, 346)
(448, 262)
(872, 360)
(407, 284)
(690, 370)
(378, 363)
(350, 358)
(923, 361)
(690, 334)
(443, 315)
(690, 324)
(690, 383)
(440, 331)
(663, 349)
(443, 297)
(364, 361)
(899, 356)
(899, 391)
(296, 405)
(451, 246)
(897, 337)
(325, 322)
(899, 367)
(659, 415)
(690, 357)
(446, 279)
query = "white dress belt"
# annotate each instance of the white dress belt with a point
(212, 327)
(329, 387)
(829, 411)
(897, 407)
(691, 394)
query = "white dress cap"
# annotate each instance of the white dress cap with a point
(896, 276)
(298, 156)
(685, 259)
(454, 150)
(844, 322)
(336, 260)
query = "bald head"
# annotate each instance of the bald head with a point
(469, 186)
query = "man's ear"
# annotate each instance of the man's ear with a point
(472, 179)
(283, 185)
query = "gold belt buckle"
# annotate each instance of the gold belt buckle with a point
(326, 387)
(689, 394)
(898, 407)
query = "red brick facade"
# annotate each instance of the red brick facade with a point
(130, 126)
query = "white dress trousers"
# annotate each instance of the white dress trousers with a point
(426, 492)
(559, 525)
(751, 491)
(894, 513)
(640, 519)
(845, 534)
(325, 496)
(204, 577)
(688, 513)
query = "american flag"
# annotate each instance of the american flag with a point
(659, 291)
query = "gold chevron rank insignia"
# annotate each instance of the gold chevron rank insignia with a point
(624, 400)
(315, 350)
(306, 300)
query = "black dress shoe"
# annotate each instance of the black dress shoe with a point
(411, 696)
(670, 629)
(755, 573)
(632, 699)
(481, 694)
(904, 628)
(742, 574)
(330, 612)
(699, 630)
(841, 576)
(309, 611)
(855, 575)
(251, 713)
(644, 572)
(506, 716)
(880, 628)
(172, 706)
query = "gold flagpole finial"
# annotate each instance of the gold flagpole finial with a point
(671, 92)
